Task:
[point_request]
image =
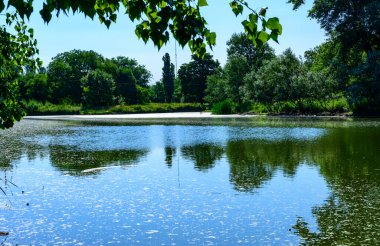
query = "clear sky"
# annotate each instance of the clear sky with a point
(77, 32)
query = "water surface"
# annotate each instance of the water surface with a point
(191, 182)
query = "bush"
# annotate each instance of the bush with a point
(224, 107)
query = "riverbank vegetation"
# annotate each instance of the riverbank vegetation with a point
(337, 77)
(38, 108)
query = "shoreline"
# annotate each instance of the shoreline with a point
(177, 115)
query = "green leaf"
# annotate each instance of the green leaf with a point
(2, 6)
(274, 24)
(211, 38)
(262, 38)
(236, 8)
(202, 3)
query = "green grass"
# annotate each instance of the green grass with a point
(38, 108)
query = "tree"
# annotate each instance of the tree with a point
(158, 92)
(273, 82)
(193, 76)
(168, 78)
(236, 69)
(98, 89)
(66, 70)
(155, 20)
(126, 85)
(141, 74)
(240, 45)
(353, 26)
(35, 87)
(16, 52)
(352, 23)
(216, 87)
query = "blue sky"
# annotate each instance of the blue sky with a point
(77, 32)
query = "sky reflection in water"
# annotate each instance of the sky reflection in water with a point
(188, 184)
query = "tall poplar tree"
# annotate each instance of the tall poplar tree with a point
(168, 77)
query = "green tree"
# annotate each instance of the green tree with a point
(240, 45)
(17, 50)
(158, 92)
(141, 74)
(353, 26)
(168, 78)
(98, 89)
(177, 94)
(66, 71)
(236, 69)
(155, 20)
(193, 76)
(35, 87)
(216, 87)
(144, 95)
(127, 86)
(273, 82)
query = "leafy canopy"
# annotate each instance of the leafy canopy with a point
(156, 19)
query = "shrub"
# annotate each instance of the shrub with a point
(224, 107)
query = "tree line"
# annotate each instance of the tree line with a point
(251, 76)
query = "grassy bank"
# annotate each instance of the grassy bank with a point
(38, 108)
(311, 107)
(337, 106)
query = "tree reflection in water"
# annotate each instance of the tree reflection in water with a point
(169, 154)
(347, 158)
(350, 164)
(203, 155)
(74, 162)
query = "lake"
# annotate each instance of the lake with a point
(248, 181)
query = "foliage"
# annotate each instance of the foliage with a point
(236, 69)
(155, 20)
(273, 81)
(34, 87)
(168, 76)
(216, 87)
(177, 95)
(16, 51)
(39, 108)
(224, 107)
(353, 27)
(158, 92)
(193, 76)
(144, 95)
(65, 72)
(240, 45)
(98, 89)
(364, 91)
(126, 85)
(141, 74)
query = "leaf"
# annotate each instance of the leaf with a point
(2, 6)
(274, 24)
(211, 38)
(262, 38)
(202, 3)
(236, 8)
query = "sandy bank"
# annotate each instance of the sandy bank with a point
(188, 115)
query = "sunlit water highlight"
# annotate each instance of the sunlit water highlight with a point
(81, 183)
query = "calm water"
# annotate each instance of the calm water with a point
(212, 182)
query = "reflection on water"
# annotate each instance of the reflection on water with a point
(275, 181)
(204, 156)
(76, 162)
